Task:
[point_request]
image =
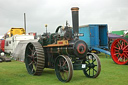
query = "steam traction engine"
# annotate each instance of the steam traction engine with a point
(63, 52)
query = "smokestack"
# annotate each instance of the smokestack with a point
(25, 22)
(75, 20)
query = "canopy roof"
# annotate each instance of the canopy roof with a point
(110, 35)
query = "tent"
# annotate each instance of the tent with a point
(112, 36)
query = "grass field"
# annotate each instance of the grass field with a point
(14, 73)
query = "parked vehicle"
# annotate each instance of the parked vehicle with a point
(12, 42)
(14, 31)
(2, 43)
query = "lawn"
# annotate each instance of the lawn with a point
(14, 73)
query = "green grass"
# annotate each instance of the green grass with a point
(14, 73)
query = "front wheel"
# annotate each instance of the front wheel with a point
(93, 66)
(63, 68)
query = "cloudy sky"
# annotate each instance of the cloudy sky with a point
(56, 12)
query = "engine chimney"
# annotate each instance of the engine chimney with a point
(75, 21)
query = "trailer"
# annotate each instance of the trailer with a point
(96, 37)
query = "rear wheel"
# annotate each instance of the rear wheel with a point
(119, 51)
(63, 68)
(93, 66)
(34, 58)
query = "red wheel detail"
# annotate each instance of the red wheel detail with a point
(82, 49)
(119, 51)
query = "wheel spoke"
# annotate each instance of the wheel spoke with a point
(87, 70)
(125, 51)
(95, 70)
(116, 47)
(119, 45)
(122, 45)
(34, 53)
(125, 56)
(30, 49)
(95, 65)
(35, 58)
(31, 63)
(35, 62)
(88, 61)
(119, 58)
(29, 56)
(66, 72)
(124, 59)
(116, 50)
(94, 60)
(34, 66)
(116, 53)
(32, 69)
(125, 47)
(63, 75)
(33, 49)
(119, 42)
(64, 63)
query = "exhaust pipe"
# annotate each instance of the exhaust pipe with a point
(75, 21)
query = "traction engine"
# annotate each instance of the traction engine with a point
(62, 51)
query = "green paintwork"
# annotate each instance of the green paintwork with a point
(118, 32)
(121, 32)
(78, 67)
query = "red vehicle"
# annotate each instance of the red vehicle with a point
(2, 43)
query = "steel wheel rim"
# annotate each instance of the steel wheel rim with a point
(63, 68)
(93, 67)
(34, 58)
(119, 51)
(31, 59)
